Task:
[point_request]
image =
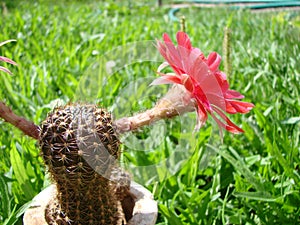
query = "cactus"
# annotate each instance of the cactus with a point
(80, 148)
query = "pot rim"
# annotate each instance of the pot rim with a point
(144, 212)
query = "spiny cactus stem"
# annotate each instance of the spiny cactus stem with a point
(27, 127)
(168, 107)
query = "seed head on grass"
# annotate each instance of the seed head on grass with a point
(204, 83)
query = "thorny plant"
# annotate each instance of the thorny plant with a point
(197, 85)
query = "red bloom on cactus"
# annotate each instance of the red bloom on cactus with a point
(4, 59)
(206, 85)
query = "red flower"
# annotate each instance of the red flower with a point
(4, 59)
(206, 84)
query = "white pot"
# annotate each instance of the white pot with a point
(144, 212)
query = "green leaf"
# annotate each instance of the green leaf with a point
(16, 214)
(239, 164)
(172, 218)
(11, 218)
(4, 197)
(260, 196)
(20, 174)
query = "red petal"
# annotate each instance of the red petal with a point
(166, 38)
(167, 79)
(187, 82)
(233, 94)
(201, 116)
(213, 61)
(229, 108)
(172, 55)
(183, 40)
(239, 107)
(229, 125)
(199, 70)
(217, 100)
(197, 52)
(162, 49)
(221, 78)
(185, 59)
(201, 99)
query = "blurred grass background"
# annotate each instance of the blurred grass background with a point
(251, 178)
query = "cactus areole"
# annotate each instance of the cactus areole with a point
(80, 148)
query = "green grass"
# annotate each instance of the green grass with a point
(251, 178)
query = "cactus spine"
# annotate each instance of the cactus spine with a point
(80, 148)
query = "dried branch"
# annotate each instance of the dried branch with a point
(27, 127)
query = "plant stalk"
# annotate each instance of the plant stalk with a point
(27, 127)
(171, 105)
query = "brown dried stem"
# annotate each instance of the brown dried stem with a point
(27, 127)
